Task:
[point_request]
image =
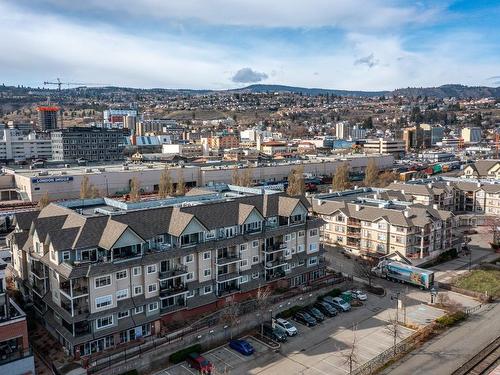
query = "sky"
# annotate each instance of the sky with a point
(222, 44)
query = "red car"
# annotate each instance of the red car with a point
(203, 365)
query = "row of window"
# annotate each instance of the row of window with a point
(108, 321)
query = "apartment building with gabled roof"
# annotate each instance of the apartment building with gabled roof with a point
(103, 272)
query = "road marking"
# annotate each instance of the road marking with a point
(185, 368)
(220, 359)
(236, 355)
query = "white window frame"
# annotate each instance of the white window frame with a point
(123, 316)
(121, 272)
(255, 259)
(244, 263)
(255, 243)
(121, 295)
(155, 288)
(207, 255)
(66, 255)
(188, 258)
(135, 287)
(108, 299)
(111, 322)
(152, 267)
(153, 304)
(137, 271)
(190, 276)
(207, 272)
(139, 310)
(210, 289)
(244, 279)
(102, 277)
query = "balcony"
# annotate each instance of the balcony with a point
(74, 288)
(223, 277)
(176, 271)
(275, 274)
(38, 270)
(39, 287)
(125, 253)
(228, 259)
(275, 263)
(275, 248)
(354, 234)
(354, 223)
(171, 291)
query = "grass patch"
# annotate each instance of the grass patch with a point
(481, 281)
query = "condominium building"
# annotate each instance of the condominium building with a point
(365, 224)
(92, 144)
(16, 357)
(105, 272)
(488, 168)
(14, 145)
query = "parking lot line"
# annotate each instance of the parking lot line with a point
(236, 355)
(185, 368)
(220, 359)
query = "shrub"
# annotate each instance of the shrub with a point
(288, 313)
(333, 293)
(451, 319)
(182, 354)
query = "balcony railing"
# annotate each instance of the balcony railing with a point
(223, 277)
(38, 271)
(354, 223)
(176, 271)
(172, 291)
(277, 247)
(275, 264)
(228, 259)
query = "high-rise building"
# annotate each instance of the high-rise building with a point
(417, 138)
(14, 145)
(47, 117)
(436, 133)
(342, 130)
(472, 134)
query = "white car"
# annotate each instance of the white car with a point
(358, 294)
(287, 326)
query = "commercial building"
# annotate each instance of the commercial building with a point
(16, 146)
(436, 132)
(417, 137)
(223, 141)
(273, 147)
(118, 116)
(16, 357)
(384, 146)
(103, 273)
(91, 144)
(357, 133)
(114, 179)
(161, 126)
(188, 150)
(472, 135)
(367, 223)
(47, 117)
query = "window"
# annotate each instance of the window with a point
(151, 268)
(255, 243)
(123, 314)
(121, 275)
(301, 233)
(102, 281)
(104, 322)
(139, 310)
(190, 276)
(255, 259)
(153, 306)
(243, 247)
(210, 234)
(121, 294)
(293, 235)
(207, 289)
(287, 237)
(65, 256)
(313, 247)
(190, 294)
(312, 261)
(313, 232)
(255, 275)
(244, 263)
(206, 255)
(152, 288)
(103, 301)
(137, 290)
(244, 279)
(137, 271)
(188, 258)
(206, 272)
(300, 248)
(340, 218)
(381, 237)
(381, 226)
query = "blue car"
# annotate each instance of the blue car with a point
(241, 346)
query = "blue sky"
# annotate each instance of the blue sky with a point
(219, 44)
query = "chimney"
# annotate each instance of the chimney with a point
(435, 206)
(358, 207)
(406, 213)
(478, 184)
(330, 191)
(429, 185)
(448, 183)
(355, 187)
(402, 191)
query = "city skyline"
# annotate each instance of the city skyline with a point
(349, 45)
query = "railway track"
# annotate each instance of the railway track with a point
(483, 362)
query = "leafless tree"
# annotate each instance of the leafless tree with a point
(85, 188)
(340, 180)
(235, 176)
(371, 173)
(394, 329)
(181, 185)
(165, 188)
(363, 269)
(94, 192)
(262, 300)
(246, 178)
(351, 357)
(135, 190)
(230, 315)
(296, 181)
(44, 200)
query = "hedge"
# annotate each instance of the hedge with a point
(451, 319)
(130, 372)
(182, 354)
(333, 293)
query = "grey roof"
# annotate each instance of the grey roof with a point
(483, 166)
(24, 219)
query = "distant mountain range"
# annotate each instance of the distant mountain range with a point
(445, 91)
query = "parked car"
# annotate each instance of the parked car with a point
(290, 329)
(340, 304)
(304, 318)
(358, 294)
(275, 334)
(242, 346)
(326, 308)
(203, 365)
(316, 314)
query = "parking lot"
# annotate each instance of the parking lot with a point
(225, 360)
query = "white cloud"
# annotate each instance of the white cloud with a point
(248, 75)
